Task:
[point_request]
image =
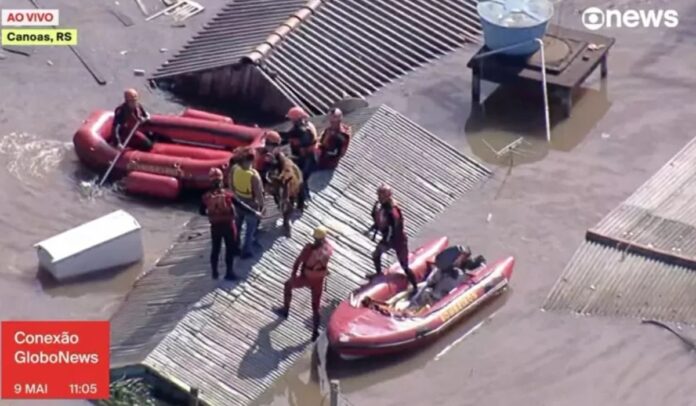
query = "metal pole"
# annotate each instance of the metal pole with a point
(543, 76)
(335, 391)
(118, 156)
(546, 94)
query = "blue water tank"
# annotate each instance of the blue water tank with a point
(511, 22)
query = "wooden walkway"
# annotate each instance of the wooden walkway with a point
(223, 338)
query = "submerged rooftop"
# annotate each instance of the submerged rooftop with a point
(275, 54)
(640, 260)
(227, 341)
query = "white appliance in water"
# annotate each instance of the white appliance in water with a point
(108, 242)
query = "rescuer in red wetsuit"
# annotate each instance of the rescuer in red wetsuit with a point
(334, 141)
(126, 116)
(312, 266)
(218, 204)
(389, 221)
(303, 139)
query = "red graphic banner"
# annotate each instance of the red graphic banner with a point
(54, 359)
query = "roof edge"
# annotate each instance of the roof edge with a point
(280, 33)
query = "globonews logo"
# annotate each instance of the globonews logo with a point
(595, 18)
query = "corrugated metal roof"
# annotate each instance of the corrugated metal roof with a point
(341, 48)
(230, 344)
(231, 35)
(605, 281)
(640, 260)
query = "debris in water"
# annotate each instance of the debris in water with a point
(593, 287)
(49, 62)
(163, 50)
(605, 136)
(139, 72)
(123, 52)
(490, 216)
(179, 25)
(687, 341)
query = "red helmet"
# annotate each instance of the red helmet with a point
(384, 191)
(130, 94)
(297, 113)
(272, 137)
(215, 174)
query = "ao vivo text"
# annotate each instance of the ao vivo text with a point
(30, 18)
(54, 359)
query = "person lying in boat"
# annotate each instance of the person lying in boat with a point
(451, 268)
(126, 116)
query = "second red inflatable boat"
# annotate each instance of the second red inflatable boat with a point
(378, 318)
(186, 147)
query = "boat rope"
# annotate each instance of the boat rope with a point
(688, 342)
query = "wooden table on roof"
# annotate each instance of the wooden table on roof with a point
(500, 69)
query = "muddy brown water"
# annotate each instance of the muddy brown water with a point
(520, 356)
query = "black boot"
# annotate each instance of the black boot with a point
(315, 331)
(230, 276)
(283, 312)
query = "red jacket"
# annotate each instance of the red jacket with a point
(389, 221)
(314, 260)
(334, 141)
(218, 204)
(125, 118)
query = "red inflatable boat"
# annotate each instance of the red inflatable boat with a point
(195, 142)
(377, 318)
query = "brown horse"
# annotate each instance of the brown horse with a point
(285, 185)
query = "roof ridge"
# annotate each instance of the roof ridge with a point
(280, 33)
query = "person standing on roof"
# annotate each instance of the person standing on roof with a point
(334, 141)
(248, 188)
(218, 205)
(302, 138)
(309, 271)
(389, 221)
(126, 116)
(266, 158)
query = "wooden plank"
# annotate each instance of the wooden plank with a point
(92, 70)
(25, 51)
(123, 18)
(635, 248)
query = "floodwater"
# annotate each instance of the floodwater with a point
(40, 180)
(301, 386)
(505, 132)
(614, 140)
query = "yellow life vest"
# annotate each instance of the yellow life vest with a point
(242, 181)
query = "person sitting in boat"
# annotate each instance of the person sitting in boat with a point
(302, 138)
(451, 268)
(126, 116)
(334, 141)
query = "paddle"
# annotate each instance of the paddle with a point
(248, 208)
(118, 156)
